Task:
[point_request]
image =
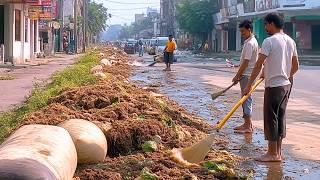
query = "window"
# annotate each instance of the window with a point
(26, 29)
(17, 24)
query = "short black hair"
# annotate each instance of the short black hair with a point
(170, 36)
(246, 24)
(276, 19)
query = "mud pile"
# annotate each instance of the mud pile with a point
(130, 116)
(158, 163)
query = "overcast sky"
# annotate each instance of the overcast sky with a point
(123, 11)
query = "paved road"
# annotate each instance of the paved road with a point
(13, 92)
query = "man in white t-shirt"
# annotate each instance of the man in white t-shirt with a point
(248, 59)
(280, 59)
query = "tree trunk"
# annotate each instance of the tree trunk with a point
(203, 37)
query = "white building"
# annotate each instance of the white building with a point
(18, 34)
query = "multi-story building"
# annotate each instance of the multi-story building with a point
(155, 15)
(164, 11)
(151, 12)
(168, 23)
(138, 17)
(19, 34)
(71, 34)
(302, 21)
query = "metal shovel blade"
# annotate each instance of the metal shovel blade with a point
(194, 154)
(152, 64)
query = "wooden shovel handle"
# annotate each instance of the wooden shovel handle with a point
(229, 87)
(233, 84)
(239, 103)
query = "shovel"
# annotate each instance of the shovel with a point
(216, 95)
(153, 63)
(155, 60)
(193, 155)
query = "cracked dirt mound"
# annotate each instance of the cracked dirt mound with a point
(135, 116)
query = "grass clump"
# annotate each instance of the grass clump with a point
(73, 76)
(6, 78)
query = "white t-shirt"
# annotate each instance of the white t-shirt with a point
(250, 52)
(279, 49)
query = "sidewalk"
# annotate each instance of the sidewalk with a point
(21, 78)
(305, 58)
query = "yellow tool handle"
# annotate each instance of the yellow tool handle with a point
(242, 100)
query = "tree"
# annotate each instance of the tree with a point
(136, 27)
(144, 24)
(126, 32)
(97, 18)
(195, 17)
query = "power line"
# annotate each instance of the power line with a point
(133, 8)
(117, 2)
(121, 17)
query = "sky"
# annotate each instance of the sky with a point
(123, 11)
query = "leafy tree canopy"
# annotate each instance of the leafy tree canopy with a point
(129, 31)
(97, 17)
(195, 16)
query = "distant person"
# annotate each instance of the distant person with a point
(249, 56)
(168, 53)
(72, 46)
(280, 58)
(140, 43)
(175, 43)
(176, 48)
(206, 46)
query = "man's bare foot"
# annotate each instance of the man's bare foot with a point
(268, 158)
(244, 130)
(282, 157)
(165, 69)
(169, 69)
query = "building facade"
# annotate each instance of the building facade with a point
(168, 23)
(152, 12)
(19, 35)
(302, 21)
(138, 17)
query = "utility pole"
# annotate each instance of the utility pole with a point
(171, 17)
(87, 24)
(75, 39)
(61, 17)
(84, 24)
